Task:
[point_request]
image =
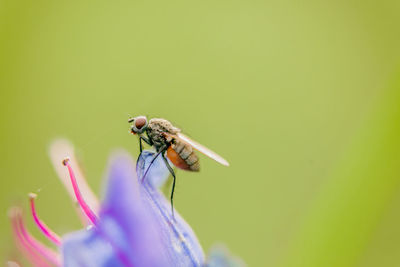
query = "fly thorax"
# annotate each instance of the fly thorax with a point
(157, 128)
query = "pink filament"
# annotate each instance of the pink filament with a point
(27, 251)
(46, 252)
(34, 249)
(85, 207)
(42, 226)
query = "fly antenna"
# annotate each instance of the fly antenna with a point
(130, 118)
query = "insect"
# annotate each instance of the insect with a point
(170, 143)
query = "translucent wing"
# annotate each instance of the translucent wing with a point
(203, 149)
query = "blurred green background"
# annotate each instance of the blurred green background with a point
(303, 99)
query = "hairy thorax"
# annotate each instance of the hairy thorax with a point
(157, 127)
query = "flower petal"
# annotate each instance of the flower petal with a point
(158, 173)
(12, 264)
(87, 248)
(220, 257)
(126, 234)
(136, 227)
(181, 244)
(124, 207)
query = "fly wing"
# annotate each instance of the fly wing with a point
(203, 149)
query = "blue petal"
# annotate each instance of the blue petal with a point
(87, 248)
(136, 227)
(181, 243)
(158, 173)
(220, 257)
(126, 234)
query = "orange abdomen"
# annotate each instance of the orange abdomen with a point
(176, 159)
(183, 156)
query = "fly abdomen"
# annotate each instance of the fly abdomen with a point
(186, 151)
(178, 146)
(183, 156)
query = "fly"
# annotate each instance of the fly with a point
(170, 143)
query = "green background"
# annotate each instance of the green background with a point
(302, 98)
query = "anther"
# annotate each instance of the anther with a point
(65, 161)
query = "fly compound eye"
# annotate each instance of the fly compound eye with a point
(140, 122)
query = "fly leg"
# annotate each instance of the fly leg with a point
(140, 145)
(173, 184)
(162, 150)
(147, 140)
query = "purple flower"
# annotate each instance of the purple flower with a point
(134, 226)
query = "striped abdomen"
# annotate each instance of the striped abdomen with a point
(183, 156)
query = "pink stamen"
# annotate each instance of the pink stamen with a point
(34, 249)
(24, 247)
(85, 207)
(46, 252)
(59, 148)
(42, 226)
